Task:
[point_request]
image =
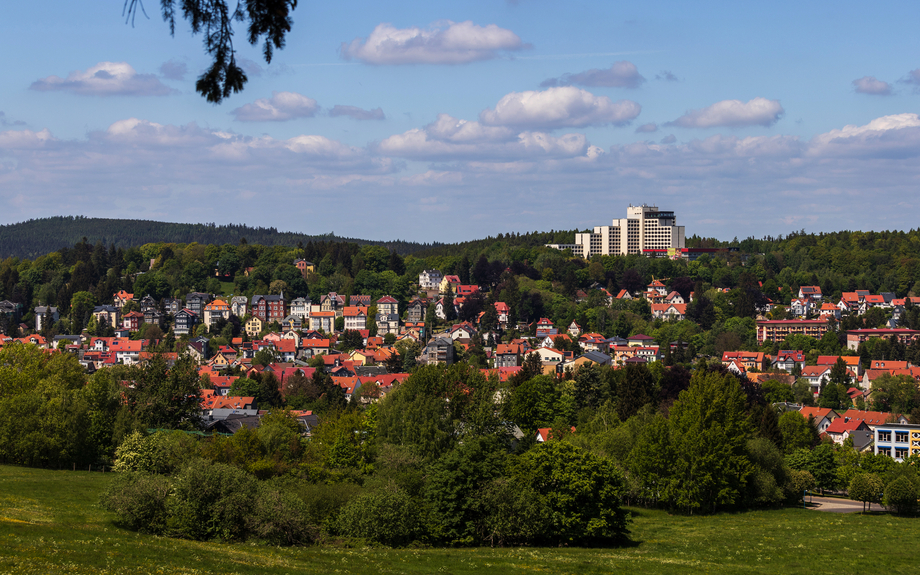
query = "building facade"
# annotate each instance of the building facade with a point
(644, 228)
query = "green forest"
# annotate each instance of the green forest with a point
(33, 238)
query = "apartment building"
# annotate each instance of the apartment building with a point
(778, 329)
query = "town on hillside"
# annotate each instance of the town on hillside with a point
(367, 344)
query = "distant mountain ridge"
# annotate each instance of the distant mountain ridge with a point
(37, 237)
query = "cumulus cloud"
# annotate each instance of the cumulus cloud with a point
(105, 79)
(452, 166)
(173, 69)
(871, 85)
(732, 113)
(559, 108)
(356, 113)
(647, 128)
(25, 139)
(449, 138)
(897, 135)
(443, 42)
(282, 106)
(620, 75)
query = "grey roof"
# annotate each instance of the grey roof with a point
(256, 298)
(46, 309)
(108, 308)
(597, 356)
(370, 370)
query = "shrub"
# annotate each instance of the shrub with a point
(324, 501)
(160, 452)
(386, 516)
(515, 514)
(581, 493)
(139, 501)
(212, 501)
(901, 496)
(280, 517)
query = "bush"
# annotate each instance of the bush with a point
(212, 501)
(139, 501)
(580, 491)
(160, 452)
(323, 501)
(386, 516)
(515, 514)
(901, 496)
(280, 517)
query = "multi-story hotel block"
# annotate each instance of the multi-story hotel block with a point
(644, 228)
(778, 329)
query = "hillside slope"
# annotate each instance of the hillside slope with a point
(41, 236)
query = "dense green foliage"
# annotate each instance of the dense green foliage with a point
(40, 236)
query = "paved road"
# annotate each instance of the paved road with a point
(834, 505)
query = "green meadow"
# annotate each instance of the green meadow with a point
(50, 523)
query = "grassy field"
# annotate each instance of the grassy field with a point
(49, 523)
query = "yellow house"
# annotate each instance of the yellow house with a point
(254, 327)
(362, 357)
(219, 361)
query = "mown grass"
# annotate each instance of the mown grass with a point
(50, 523)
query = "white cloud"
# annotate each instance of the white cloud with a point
(443, 42)
(897, 136)
(105, 79)
(448, 138)
(558, 108)
(282, 106)
(871, 85)
(620, 75)
(732, 113)
(137, 168)
(356, 113)
(25, 139)
(647, 128)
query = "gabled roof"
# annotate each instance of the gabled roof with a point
(790, 355)
(818, 413)
(387, 299)
(844, 424)
(870, 417)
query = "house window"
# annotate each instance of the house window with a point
(884, 436)
(900, 437)
(900, 453)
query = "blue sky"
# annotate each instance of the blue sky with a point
(457, 120)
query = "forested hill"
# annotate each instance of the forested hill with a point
(41, 236)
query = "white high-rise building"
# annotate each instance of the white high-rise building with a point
(644, 228)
